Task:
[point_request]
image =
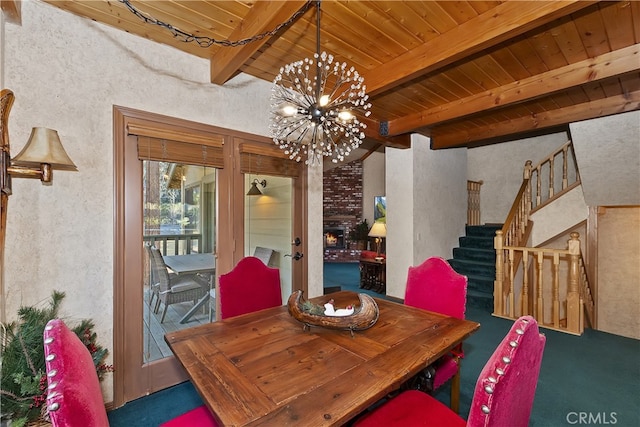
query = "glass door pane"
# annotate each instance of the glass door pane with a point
(179, 237)
(268, 224)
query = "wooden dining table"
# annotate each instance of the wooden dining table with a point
(263, 368)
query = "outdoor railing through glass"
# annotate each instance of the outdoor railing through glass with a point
(175, 244)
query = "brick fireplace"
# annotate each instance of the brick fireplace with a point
(342, 210)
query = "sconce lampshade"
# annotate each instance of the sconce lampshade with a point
(254, 190)
(44, 146)
(379, 229)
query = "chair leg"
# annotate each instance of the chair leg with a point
(455, 392)
(153, 295)
(164, 312)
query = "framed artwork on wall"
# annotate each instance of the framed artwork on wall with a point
(380, 209)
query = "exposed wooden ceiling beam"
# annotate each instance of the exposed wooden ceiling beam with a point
(499, 24)
(11, 9)
(442, 138)
(373, 131)
(263, 16)
(611, 64)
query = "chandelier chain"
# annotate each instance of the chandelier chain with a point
(204, 41)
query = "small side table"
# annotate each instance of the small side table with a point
(373, 274)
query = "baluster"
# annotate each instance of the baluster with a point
(551, 177)
(538, 187)
(539, 291)
(524, 293)
(522, 223)
(573, 295)
(498, 293)
(527, 177)
(511, 285)
(565, 178)
(556, 291)
(516, 226)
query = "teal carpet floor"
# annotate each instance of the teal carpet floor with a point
(593, 379)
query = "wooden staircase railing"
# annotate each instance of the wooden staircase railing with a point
(585, 292)
(522, 270)
(473, 202)
(536, 288)
(545, 173)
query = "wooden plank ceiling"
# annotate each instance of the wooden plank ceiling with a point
(464, 73)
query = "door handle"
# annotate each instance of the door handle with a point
(296, 256)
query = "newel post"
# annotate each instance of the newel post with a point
(498, 308)
(574, 307)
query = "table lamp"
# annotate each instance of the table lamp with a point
(379, 230)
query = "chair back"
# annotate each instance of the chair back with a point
(74, 398)
(265, 255)
(159, 273)
(152, 273)
(507, 384)
(250, 286)
(435, 286)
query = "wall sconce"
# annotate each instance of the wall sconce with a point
(254, 190)
(42, 154)
(379, 231)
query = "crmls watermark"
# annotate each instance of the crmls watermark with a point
(593, 418)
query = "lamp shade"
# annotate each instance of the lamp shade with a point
(254, 190)
(44, 146)
(379, 229)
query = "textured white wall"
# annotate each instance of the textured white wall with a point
(67, 73)
(315, 246)
(608, 155)
(440, 199)
(618, 271)
(399, 193)
(500, 167)
(426, 207)
(558, 216)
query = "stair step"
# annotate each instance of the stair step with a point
(480, 300)
(473, 268)
(475, 254)
(479, 242)
(480, 283)
(482, 230)
(476, 259)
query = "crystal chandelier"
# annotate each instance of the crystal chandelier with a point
(315, 116)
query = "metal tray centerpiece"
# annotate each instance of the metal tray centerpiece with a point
(358, 318)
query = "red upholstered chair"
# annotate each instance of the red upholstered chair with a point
(435, 286)
(198, 417)
(503, 394)
(75, 398)
(249, 287)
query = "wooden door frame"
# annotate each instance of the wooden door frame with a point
(127, 311)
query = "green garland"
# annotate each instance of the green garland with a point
(312, 308)
(23, 380)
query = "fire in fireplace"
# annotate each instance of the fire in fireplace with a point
(334, 238)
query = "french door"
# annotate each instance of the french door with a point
(182, 187)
